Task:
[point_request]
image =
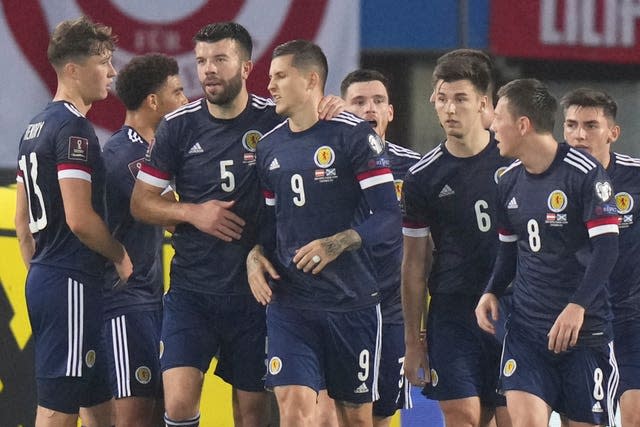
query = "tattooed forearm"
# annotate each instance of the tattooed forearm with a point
(347, 240)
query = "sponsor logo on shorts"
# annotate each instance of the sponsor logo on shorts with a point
(143, 375)
(509, 367)
(597, 407)
(90, 358)
(362, 388)
(434, 377)
(275, 365)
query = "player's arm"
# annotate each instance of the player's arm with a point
(25, 238)
(87, 225)
(504, 270)
(379, 227)
(213, 217)
(416, 265)
(566, 329)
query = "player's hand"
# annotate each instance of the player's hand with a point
(487, 312)
(416, 365)
(330, 106)
(258, 266)
(313, 256)
(124, 267)
(565, 330)
(214, 217)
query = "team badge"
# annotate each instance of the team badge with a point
(604, 190)
(376, 143)
(90, 358)
(434, 377)
(143, 375)
(498, 174)
(78, 148)
(624, 203)
(250, 140)
(557, 201)
(509, 367)
(275, 365)
(324, 156)
(160, 350)
(135, 166)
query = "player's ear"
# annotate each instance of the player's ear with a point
(313, 79)
(152, 101)
(614, 134)
(390, 113)
(247, 67)
(524, 125)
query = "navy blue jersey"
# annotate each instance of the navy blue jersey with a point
(454, 199)
(315, 180)
(211, 159)
(387, 257)
(625, 278)
(60, 143)
(552, 216)
(123, 155)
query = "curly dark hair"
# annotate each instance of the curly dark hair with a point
(144, 75)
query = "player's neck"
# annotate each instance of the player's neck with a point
(306, 115)
(538, 153)
(65, 93)
(232, 109)
(142, 123)
(468, 145)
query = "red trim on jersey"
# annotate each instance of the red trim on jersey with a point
(411, 224)
(607, 220)
(505, 232)
(156, 173)
(20, 174)
(268, 194)
(371, 173)
(74, 166)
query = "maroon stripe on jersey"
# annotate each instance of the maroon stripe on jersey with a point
(411, 224)
(74, 166)
(155, 172)
(602, 221)
(268, 194)
(505, 232)
(371, 173)
(20, 174)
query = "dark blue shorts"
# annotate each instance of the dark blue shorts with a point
(463, 359)
(132, 341)
(626, 343)
(197, 326)
(394, 389)
(313, 348)
(579, 383)
(65, 311)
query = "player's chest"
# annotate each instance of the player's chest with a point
(627, 196)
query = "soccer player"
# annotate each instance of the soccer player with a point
(149, 86)
(481, 58)
(559, 240)
(59, 202)
(366, 94)
(590, 125)
(450, 194)
(208, 148)
(323, 319)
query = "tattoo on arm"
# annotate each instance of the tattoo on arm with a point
(347, 240)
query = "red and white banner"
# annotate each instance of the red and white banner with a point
(583, 30)
(165, 26)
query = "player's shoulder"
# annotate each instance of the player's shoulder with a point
(268, 136)
(346, 119)
(260, 103)
(577, 161)
(428, 161)
(400, 151)
(185, 112)
(623, 160)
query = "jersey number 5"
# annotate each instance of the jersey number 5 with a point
(30, 176)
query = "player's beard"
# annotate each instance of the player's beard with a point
(230, 91)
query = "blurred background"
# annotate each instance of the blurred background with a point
(565, 43)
